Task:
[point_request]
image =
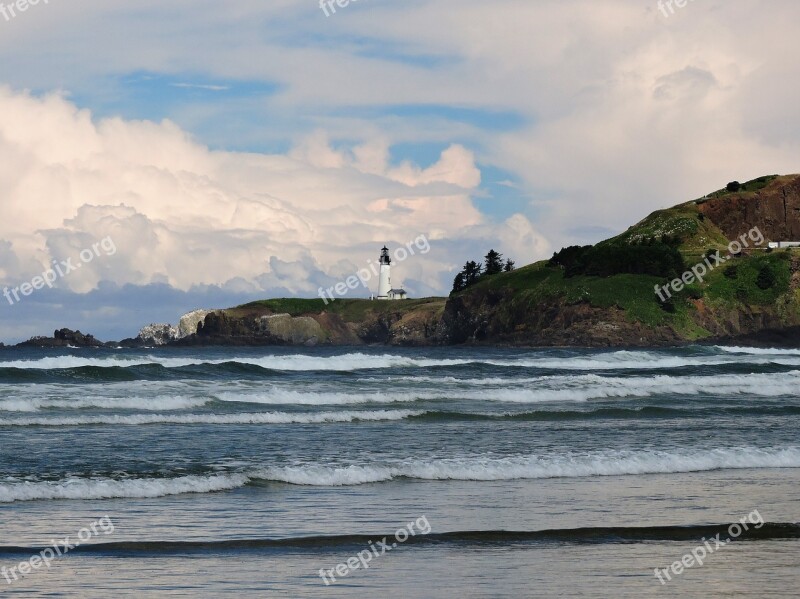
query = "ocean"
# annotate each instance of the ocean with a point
(437, 472)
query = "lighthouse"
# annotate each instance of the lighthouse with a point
(385, 284)
(385, 291)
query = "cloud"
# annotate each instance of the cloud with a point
(182, 215)
(610, 111)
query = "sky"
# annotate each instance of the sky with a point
(245, 150)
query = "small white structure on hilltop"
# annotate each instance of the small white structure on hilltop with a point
(385, 291)
(777, 245)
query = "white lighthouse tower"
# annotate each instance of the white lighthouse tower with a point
(385, 285)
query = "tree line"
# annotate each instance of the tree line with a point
(475, 271)
(657, 257)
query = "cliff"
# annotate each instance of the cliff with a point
(312, 322)
(770, 203)
(752, 296)
(606, 298)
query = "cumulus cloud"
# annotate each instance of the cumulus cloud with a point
(184, 215)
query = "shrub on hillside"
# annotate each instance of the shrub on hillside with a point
(766, 278)
(648, 257)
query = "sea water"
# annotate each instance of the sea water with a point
(541, 473)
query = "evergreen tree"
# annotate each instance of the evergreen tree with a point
(494, 263)
(472, 272)
(458, 283)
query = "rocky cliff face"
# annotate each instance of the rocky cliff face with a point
(348, 322)
(775, 210)
(499, 318)
(187, 325)
(157, 334)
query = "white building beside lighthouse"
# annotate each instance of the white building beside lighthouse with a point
(385, 291)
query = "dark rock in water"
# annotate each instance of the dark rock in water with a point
(63, 338)
(770, 338)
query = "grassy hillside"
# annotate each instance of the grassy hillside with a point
(758, 285)
(350, 310)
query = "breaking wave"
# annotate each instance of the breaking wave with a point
(623, 360)
(577, 388)
(482, 468)
(76, 488)
(759, 351)
(154, 404)
(618, 463)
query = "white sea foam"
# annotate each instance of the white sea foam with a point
(253, 418)
(618, 463)
(150, 404)
(62, 362)
(625, 360)
(77, 488)
(284, 396)
(480, 468)
(151, 396)
(344, 362)
(575, 388)
(361, 361)
(759, 351)
(453, 380)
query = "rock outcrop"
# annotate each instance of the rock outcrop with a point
(347, 322)
(774, 209)
(63, 338)
(187, 325)
(302, 330)
(157, 334)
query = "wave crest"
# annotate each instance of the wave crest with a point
(620, 463)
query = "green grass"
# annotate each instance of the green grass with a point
(352, 310)
(722, 290)
(697, 234)
(535, 285)
(748, 188)
(680, 221)
(291, 306)
(633, 293)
